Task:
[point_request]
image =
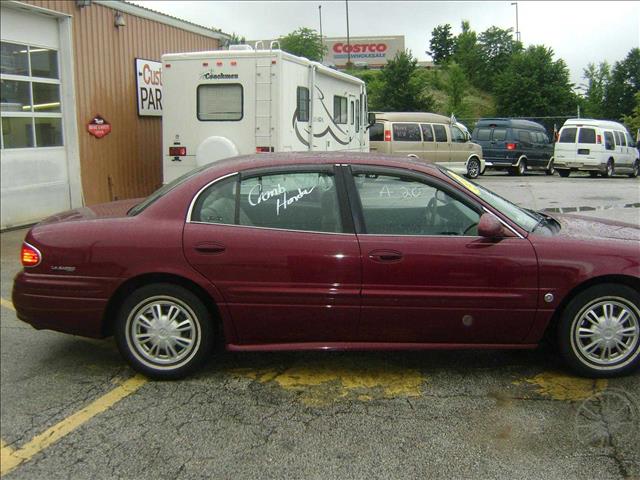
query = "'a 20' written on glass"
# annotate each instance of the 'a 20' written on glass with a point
(283, 198)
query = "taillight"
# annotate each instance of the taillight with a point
(30, 256)
(599, 139)
(511, 146)
(177, 151)
(387, 135)
(264, 149)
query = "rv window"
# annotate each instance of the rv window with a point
(427, 132)
(406, 132)
(339, 109)
(587, 135)
(441, 133)
(358, 115)
(353, 112)
(302, 101)
(568, 135)
(221, 102)
(376, 133)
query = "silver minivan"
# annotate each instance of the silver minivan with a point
(429, 136)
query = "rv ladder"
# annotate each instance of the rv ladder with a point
(263, 104)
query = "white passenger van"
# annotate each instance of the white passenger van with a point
(428, 136)
(223, 103)
(595, 146)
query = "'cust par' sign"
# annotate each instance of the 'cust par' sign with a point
(149, 87)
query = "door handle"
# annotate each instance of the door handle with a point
(210, 248)
(385, 256)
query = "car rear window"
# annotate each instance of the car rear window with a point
(376, 132)
(568, 135)
(587, 135)
(406, 132)
(483, 134)
(499, 134)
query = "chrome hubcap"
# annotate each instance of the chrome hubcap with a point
(163, 331)
(606, 332)
(474, 169)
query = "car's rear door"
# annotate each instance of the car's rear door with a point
(427, 276)
(281, 250)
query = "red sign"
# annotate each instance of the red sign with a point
(359, 47)
(99, 127)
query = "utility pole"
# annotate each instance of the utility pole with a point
(321, 40)
(517, 27)
(348, 43)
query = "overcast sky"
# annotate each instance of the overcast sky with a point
(579, 32)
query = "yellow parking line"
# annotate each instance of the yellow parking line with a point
(12, 458)
(7, 304)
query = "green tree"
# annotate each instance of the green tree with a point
(304, 42)
(632, 121)
(236, 39)
(624, 84)
(456, 89)
(535, 85)
(598, 79)
(466, 52)
(441, 44)
(401, 89)
(496, 47)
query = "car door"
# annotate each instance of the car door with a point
(443, 144)
(429, 149)
(460, 149)
(427, 276)
(281, 250)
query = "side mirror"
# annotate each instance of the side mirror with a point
(371, 118)
(489, 226)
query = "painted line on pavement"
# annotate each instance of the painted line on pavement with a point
(12, 458)
(7, 304)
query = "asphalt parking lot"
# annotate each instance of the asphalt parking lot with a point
(71, 408)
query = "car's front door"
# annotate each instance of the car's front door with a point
(277, 246)
(427, 276)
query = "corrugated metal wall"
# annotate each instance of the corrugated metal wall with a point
(127, 163)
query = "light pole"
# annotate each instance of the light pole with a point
(348, 43)
(321, 40)
(517, 28)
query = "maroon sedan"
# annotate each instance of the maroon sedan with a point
(332, 251)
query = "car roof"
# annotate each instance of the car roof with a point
(592, 122)
(510, 122)
(411, 117)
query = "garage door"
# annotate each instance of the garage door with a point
(34, 176)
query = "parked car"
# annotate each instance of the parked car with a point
(427, 136)
(514, 145)
(596, 146)
(312, 251)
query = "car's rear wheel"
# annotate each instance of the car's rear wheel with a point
(164, 331)
(473, 168)
(521, 168)
(550, 170)
(564, 173)
(610, 169)
(636, 169)
(599, 333)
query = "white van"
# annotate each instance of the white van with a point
(428, 136)
(595, 146)
(223, 103)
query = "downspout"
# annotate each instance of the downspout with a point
(312, 83)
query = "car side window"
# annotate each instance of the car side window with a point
(457, 135)
(523, 136)
(406, 132)
(483, 134)
(306, 201)
(217, 203)
(609, 143)
(396, 205)
(427, 132)
(440, 132)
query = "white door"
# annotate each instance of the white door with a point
(34, 165)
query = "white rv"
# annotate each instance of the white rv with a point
(223, 103)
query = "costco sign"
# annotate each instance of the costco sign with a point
(374, 51)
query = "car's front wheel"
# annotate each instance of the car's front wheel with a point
(164, 331)
(599, 333)
(564, 173)
(635, 169)
(473, 168)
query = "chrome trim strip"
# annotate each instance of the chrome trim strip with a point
(39, 256)
(195, 197)
(502, 222)
(271, 228)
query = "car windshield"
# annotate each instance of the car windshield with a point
(166, 188)
(526, 219)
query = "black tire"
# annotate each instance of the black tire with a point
(473, 168)
(636, 169)
(582, 311)
(521, 168)
(593, 174)
(610, 170)
(181, 324)
(564, 173)
(550, 170)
